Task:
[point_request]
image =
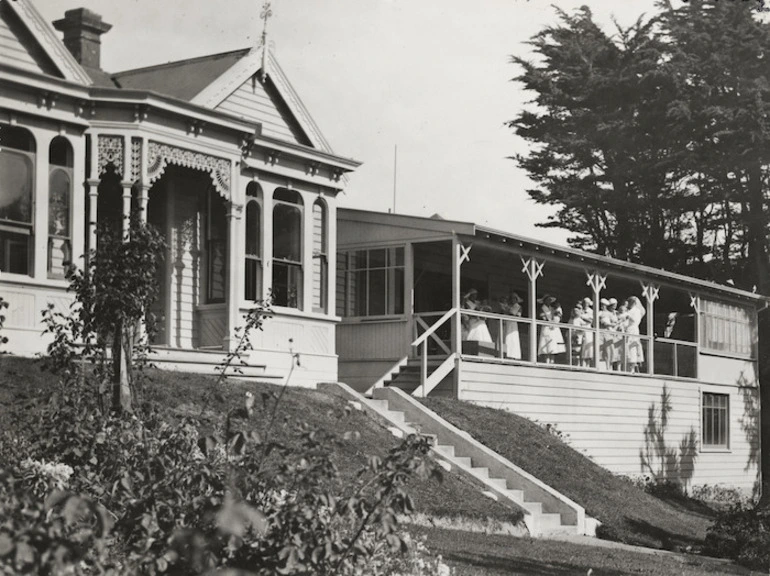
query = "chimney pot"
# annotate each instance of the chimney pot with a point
(82, 29)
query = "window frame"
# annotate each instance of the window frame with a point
(18, 228)
(715, 447)
(211, 241)
(322, 255)
(290, 265)
(705, 317)
(257, 259)
(349, 304)
(68, 170)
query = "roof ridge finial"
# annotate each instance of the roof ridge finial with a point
(267, 12)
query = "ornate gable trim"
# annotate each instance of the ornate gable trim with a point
(161, 155)
(219, 90)
(49, 41)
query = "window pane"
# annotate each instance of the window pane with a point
(15, 187)
(358, 292)
(287, 232)
(398, 291)
(716, 423)
(377, 258)
(287, 285)
(59, 204)
(253, 279)
(341, 283)
(217, 276)
(253, 229)
(377, 293)
(14, 252)
(399, 257)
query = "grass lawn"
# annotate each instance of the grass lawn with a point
(628, 513)
(479, 555)
(23, 383)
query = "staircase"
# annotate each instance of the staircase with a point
(406, 376)
(546, 511)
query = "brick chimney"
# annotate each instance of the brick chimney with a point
(82, 29)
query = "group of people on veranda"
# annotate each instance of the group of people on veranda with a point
(620, 347)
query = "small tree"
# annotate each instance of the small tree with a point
(112, 297)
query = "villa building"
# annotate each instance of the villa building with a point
(221, 155)
(217, 151)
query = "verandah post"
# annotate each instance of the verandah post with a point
(456, 346)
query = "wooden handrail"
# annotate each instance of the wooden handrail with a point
(425, 335)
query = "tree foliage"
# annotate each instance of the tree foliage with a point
(651, 142)
(109, 323)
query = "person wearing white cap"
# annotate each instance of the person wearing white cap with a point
(476, 326)
(511, 340)
(587, 353)
(551, 341)
(607, 321)
(635, 352)
(618, 354)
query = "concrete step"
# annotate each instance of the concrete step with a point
(397, 416)
(499, 483)
(480, 472)
(463, 461)
(446, 450)
(534, 507)
(550, 522)
(380, 404)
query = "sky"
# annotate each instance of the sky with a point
(430, 77)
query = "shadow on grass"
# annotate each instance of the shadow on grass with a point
(515, 564)
(669, 540)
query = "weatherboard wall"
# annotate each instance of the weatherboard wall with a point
(619, 421)
(17, 46)
(259, 102)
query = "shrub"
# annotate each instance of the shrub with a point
(154, 497)
(743, 535)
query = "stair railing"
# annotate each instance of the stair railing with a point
(427, 381)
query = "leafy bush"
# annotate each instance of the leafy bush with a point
(156, 496)
(743, 535)
(721, 497)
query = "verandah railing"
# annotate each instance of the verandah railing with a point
(616, 351)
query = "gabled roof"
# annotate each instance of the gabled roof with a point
(48, 41)
(183, 79)
(209, 80)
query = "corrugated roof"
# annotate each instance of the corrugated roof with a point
(182, 79)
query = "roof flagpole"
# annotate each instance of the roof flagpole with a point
(265, 15)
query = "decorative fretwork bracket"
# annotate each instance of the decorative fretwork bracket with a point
(110, 150)
(464, 253)
(161, 155)
(533, 268)
(596, 281)
(650, 291)
(694, 302)
(136, 159)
